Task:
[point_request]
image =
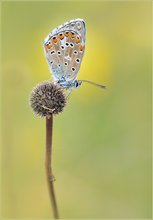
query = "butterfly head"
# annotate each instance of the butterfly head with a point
(77, 83)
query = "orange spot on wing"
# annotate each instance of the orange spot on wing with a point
(77, 40)
(48, 46)
(67, 34)
(81, 47)
(61, 36)
(73, 35)
(54, 39)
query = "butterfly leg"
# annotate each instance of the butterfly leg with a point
(69, 92)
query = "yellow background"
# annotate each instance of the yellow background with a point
(102, 140)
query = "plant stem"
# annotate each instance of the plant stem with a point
(48, 165)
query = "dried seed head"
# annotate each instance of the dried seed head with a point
(47, 98)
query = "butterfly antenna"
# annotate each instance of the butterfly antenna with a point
(92, 83)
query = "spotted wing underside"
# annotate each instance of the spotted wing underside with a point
(64, 49)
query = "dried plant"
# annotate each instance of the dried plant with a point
(48, 99)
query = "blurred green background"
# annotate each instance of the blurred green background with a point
(102, 141)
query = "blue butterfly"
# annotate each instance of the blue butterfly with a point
(64, 49)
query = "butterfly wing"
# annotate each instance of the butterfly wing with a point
(64, 49)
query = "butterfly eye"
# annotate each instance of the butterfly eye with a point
(51, 62)
(76, 84)
(73, 69)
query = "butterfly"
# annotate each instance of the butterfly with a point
(64, 49)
